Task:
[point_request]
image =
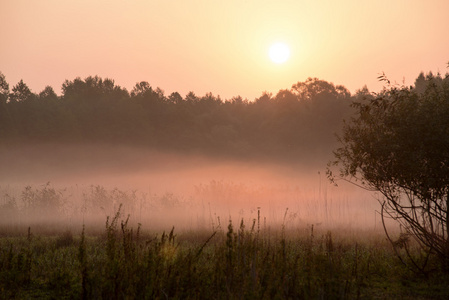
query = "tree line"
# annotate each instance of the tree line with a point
(296, 122)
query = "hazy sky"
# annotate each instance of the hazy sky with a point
(221, 46)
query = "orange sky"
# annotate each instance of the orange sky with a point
(221, 46)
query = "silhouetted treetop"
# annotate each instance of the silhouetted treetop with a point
(4, 89)
(21, 92)
(314, 87)
(48, 93)
(92, 88)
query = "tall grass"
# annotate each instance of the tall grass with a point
(244, 261)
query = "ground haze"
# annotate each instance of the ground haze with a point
(163, 189)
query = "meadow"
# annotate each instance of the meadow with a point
(247, 255)
(163, 227)
(236, 261)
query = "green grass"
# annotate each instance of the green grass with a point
(241, 261)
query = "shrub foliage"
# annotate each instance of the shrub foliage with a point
(397, 144)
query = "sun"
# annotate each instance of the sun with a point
(279, 53)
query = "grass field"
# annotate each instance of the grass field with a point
(234, 261)
(72, 243)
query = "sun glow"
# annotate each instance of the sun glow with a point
(279, 53)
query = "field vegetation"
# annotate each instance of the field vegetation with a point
(235, 260)
(104, 252)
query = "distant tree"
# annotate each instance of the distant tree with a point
(238, 101)
(4, 89)
(21, 92)
(209, 102)
(141, 89)
(92, 88)
(48, 94)
(160, 92)
(421, 83)
(175, 98)
(94, 108)
(5, 117)
(147, 96)
(265, 99)
(363, 94)
(191, 97)
(286, 98)
(314, 87)
(398, 145)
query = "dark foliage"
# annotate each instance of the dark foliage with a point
(398, 145)
(294, 123)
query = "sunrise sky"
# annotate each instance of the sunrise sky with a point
(221, 46)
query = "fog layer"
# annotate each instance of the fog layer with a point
(160, 189)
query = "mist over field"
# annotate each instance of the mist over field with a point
(163, 189)
(193, 162)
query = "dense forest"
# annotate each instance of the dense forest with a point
(290, 124)
(299, 123)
